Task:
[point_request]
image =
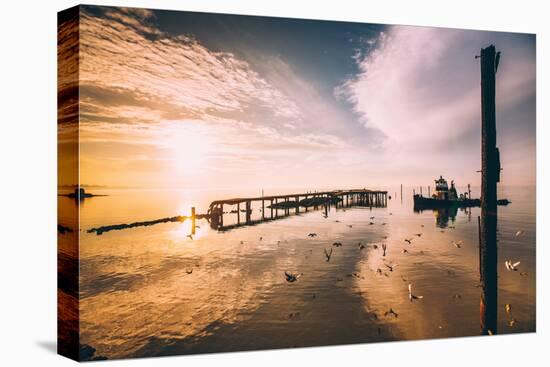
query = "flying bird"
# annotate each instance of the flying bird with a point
(511, 266)
(189, 271)
(337, 244)
(328, 254)
(312, 235)
(418, 234)
(408, 240)
(384, 247)
(412, 296)
(457, 244)
(190, 236)
(391, 312)
(291, 278)
(519, 233)
(391, 267)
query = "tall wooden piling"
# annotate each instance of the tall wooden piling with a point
(490, 176)
(193, 218)
(238, 213)
(248, 211)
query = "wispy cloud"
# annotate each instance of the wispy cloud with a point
(420, 87)
(168, 100)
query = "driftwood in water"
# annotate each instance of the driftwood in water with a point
(62, 229)
(116, 227)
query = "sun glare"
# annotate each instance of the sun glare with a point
(188, 150)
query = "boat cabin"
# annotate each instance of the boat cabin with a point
(442, 190)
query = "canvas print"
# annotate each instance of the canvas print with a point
(235, 183)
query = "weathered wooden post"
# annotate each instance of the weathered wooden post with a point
(193, 224)
(238, 213)
(271, 208)
(401, 192)
(429, 194)
(221, 215)
(248, 211)
(297, 198)
(420, 190)
(263, 207)
(489, 177)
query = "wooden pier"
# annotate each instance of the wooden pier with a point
(281, 206)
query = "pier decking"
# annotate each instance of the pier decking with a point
(290, 203)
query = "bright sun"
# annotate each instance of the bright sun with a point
(188, 149)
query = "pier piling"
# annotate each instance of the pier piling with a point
(489, 178)
(193, 220)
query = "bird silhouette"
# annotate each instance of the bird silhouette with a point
(384, 247)
(391, 312)
(190, 236)
(408, 240)
(337, 244)
(511, 266)
(391, 267)
(312, 235)
(189, 271)
(412, 296)
(519, 233)
(328, 254)
(291, 278)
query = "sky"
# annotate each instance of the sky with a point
(194, 100)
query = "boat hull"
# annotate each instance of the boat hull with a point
(421, 202)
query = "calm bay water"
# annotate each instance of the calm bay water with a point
(154, 291)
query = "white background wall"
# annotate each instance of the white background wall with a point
(28, 181)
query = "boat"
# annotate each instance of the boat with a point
(446, 197)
